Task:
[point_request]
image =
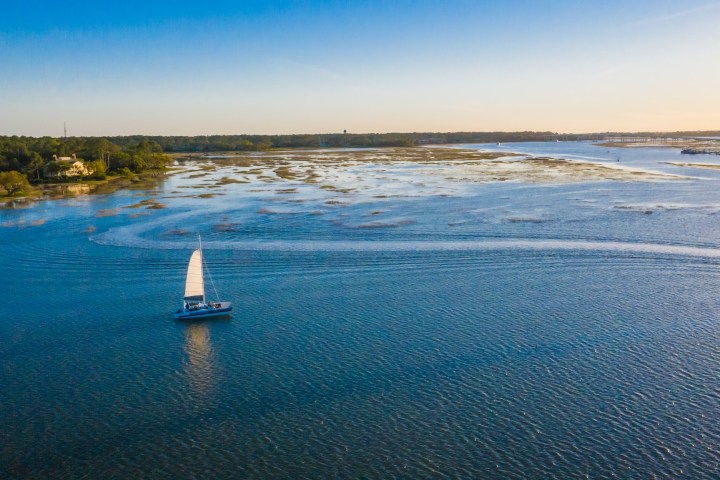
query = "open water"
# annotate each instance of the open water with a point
(502, 330)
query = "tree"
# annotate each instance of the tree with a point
(146, 155)
(157, 161)
(148, 146)
(57, 169)
(264, 144)
(122, 160)
(14, 182)
(98, 169)
(35, 165)
(101, 149)
(138, 163)
(244, 144)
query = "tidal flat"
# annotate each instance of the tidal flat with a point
(528, 310)
(329, 167)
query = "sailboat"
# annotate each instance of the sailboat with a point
(195, 304)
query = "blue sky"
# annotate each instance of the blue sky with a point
(191, 68)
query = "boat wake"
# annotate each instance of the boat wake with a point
(132, 239)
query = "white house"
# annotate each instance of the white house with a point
(71, 167)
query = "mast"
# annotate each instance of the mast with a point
(201, 265)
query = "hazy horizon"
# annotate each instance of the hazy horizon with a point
(70, 134)
(279, 67)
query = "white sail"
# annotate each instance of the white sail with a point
(194, 285)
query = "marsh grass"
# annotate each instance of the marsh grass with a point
(108, 212)
(150, 204)
(708, 166)
(285, 173)
(228, 181)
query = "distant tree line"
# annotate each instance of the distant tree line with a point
(226, 143)
(236, 143)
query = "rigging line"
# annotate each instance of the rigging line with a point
(207, 269)
(217, 297)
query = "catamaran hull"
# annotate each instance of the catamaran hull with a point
(202, 313)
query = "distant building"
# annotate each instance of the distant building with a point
(68, 167)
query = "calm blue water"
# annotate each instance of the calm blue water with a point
(498, 331)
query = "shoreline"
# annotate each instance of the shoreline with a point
(70, 189)
(707, 166)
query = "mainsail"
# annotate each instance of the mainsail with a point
(194, 285)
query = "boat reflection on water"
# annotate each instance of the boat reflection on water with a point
(199, 362)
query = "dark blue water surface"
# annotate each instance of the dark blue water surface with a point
(500, 330)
